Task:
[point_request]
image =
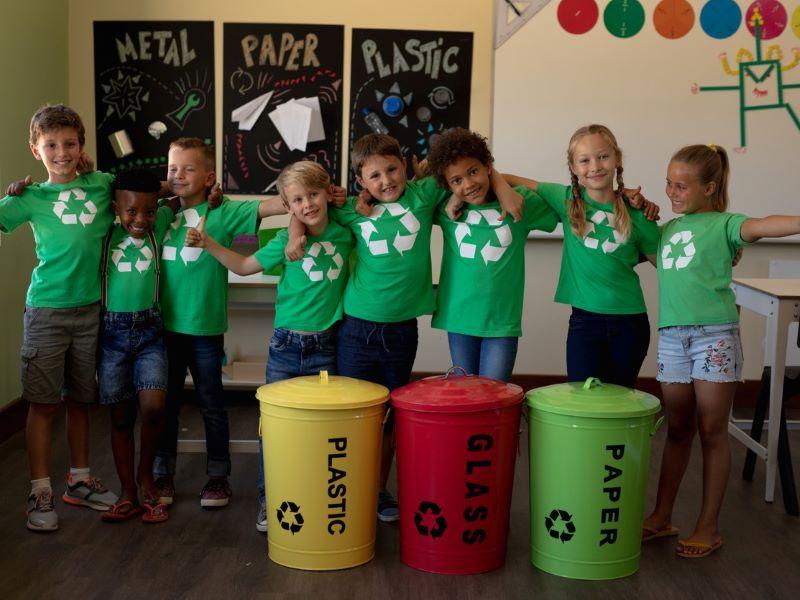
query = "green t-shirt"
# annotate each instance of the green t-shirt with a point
(69, 222)
(482, 280)
(310, 290)
(391, 280)
(695, 269)
(131, 273)
(597, 271)
(194, 290)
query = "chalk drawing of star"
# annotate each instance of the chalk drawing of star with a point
(124, 96)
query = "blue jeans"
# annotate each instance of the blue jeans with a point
(293, 354)
(485, 356)
(132, 355)
(609, 347)
(203, 356)
(382, 353)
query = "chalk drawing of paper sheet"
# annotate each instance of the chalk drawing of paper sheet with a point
(247, 114)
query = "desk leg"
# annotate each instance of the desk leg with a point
(778, 325)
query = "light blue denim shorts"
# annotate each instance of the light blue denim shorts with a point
(705, 352)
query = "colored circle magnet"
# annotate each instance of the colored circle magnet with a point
(578, 16)
(796, 21)
(624, 18)
(673, 18)
(773, 15)
(720, 19)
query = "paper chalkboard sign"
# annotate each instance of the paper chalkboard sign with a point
(282, 101)
(154, 83)
(410, 84)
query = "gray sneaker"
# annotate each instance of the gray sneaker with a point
(261, 520)
(90, 492)
(41, 511)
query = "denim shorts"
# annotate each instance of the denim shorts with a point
(132, 355)
(704, 352)
(293, 354)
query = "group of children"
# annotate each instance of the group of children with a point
(361, 321)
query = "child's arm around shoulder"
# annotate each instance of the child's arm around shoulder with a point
(773, 226)
(239, 264)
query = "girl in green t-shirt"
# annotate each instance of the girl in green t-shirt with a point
(699, 350)
(479, 301)
(604, 239)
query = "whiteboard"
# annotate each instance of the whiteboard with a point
(549, 82)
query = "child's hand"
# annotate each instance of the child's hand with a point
(338, 195)
(738, 257)
(165, 191)
(295, 251)
(420, 167)
(197, 237)
(16, 188)
(454, 207)
(214, 196)
(85, 164)
(363, 206)
(651, 210)
(512, 203)
(634, 197)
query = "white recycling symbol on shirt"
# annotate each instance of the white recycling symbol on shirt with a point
(598, 219)
(86, 215)
(681, 260)
(142, 262)
(489, 252)
(190, 218)
(310, 264)
(402, 242)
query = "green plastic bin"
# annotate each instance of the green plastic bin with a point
(590, 453)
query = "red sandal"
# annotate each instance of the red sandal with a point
(122, 511)
(154, 512)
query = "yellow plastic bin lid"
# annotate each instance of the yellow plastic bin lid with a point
(323, 392)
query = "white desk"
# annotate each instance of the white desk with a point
(779, 301)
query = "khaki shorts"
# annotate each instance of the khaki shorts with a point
(59, 353)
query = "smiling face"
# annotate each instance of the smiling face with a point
(468, 178)
(685, 190)
(309, 205)
(59, 150)
(384, 177)
(595, 162)
(136, 211)
(188, 174)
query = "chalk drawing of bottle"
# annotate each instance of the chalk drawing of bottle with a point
(374, 121)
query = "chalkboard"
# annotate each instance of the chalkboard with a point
(410, 84)
(282, 101)
(154, 83)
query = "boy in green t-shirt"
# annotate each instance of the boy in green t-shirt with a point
(482, 281)
(194, 304)
(132, 363)
(309, 304)
(390, 285)
(69, 215)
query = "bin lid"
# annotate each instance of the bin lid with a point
(323, 392)
(593, 399)
(454, 393)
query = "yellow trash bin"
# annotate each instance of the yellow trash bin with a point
(322, 442)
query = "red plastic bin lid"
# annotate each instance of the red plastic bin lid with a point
(456, 393)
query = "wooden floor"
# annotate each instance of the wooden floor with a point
(200, 554)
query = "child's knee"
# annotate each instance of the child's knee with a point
(681, 431)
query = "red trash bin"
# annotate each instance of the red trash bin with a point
(457, 441)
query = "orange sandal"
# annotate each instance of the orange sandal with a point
(154, 512)
(702, 549)
(122, 511)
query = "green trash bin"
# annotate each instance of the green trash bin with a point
(589, 459)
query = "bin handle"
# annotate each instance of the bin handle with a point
(323, 377)
(453, 369)
(656, 425)
(591, 382)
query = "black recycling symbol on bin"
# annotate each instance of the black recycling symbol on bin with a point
(289, 517)
(559, 525)
(422, 520)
